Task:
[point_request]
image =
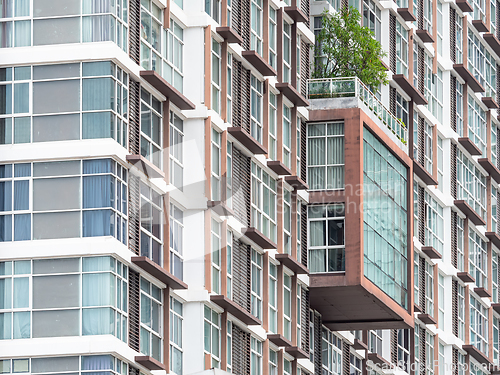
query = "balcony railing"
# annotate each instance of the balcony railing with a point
(346, 87)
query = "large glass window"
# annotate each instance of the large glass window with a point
(287, 52)
(263, 202)
(479, 325)
(331, 348)
(287, 136)
(151, 128)
(429, 288)
(273, 120)
(372, 17)
(256, 26)
(213, 9)
(89, 294)
(273, 37)
(256, 94)
(43, 103)
(256, 274)
(173, 55)
(176, 320)
(215, 180)
(434, 229)
(471, 184)
(176, 151)
(63, 200)
(326, 238)
(478, 259)
(460, 109)
(287, 306)
(216, 76)
(216, 253)
(404, 349)
(385, 235)
(63, 22)
(176, 241)
(255, 356)
(151, 224)
(325, 158)
(477, 124)
(212, 335)
(273, 298)
(151, 320)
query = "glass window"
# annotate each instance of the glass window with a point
(151, 128)
(476, 124)
(372, 17)
(212, 334)
(471, 184)
(229, 264)
(216, 76)
(287, 136)
(176, 242)
(255, 356)
(273, 37)
(229, 105)
(176, 151)
(256, 274)
(273, 298)
(478, 325)
(325, 158)
(176, 351)
(460, 109)
(229, 175)
(429, 288)
(287, 306)
(401, 49)
(404, 349)
(263, 202)
(331, 348)
(151, 224)
(256, 16)
(326, 238)
(434, 229)
(216, 165)
(461, 311)
(216, 253)
(213, 9)
(256, 94)
(287, 52)
(173, 55)
(478, 259)
(151, 320)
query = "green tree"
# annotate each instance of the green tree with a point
(344, 48)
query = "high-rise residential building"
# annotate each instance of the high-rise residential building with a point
(177, 196)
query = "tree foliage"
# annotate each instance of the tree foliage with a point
(344, 48)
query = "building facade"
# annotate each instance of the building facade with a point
(213, 209)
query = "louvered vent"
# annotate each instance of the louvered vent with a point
(236, 15)
(245, 99)
(133, 310)
(304, 66)
(241, 351)
(133, 371)
(242, 276)
(245, 23)
(394, 346)
(455, 361)
(421, 215)
(344, 4)
(241, 186)
(454, 249)
(304, 6)
(453, 40)
(498, 83)
(423, 354)
(236, 82)
(420, 14)
(453, 174)
(134, 134)
(303, 237)
(421, 141)
(392, 43)
(421, 285)
(497, 152)
(134, 225)
(134, 27)
(453, 102)
(498, 211)
(317, 345)
(346, 357)
(392, 100)
(454, 305)
(420, 66)
(304, 321)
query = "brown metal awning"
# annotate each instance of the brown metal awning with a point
(480, 26)
(411, 90)
(292, 94)
(426, 319)
(246, 140)
(149, 362)
(278, 340)
(466, 277)
(489, 102)
(292, 264)
(296, 182)
(234, 309)
(494, 238)
(406, 14)
(490, 168)
(431, 252)
(464, 5)
(493, 42)
(469, 146)
(229, 34)
(159, 83)
(259, 63)
(145, 166)
(161, 274)
(476, 354)
(469, 212)
(422, 173)
(425, 36)
(296, 13)
(220, 208)
(259, 238)
(482, 292)
(297, 352)
(279, 168)
(467, 76)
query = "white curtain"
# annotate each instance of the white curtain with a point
(99, 321)
(22, 33)
(98, 289)
(98, 28)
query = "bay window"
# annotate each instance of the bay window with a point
(326, 238)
